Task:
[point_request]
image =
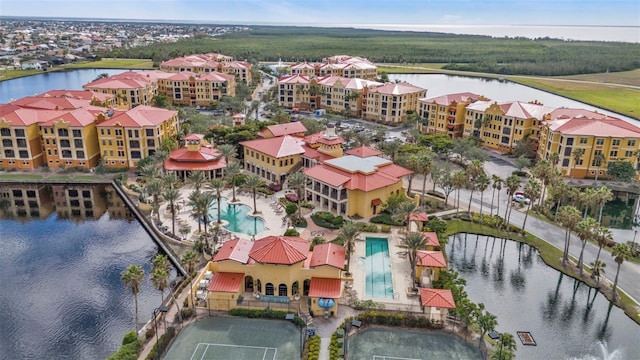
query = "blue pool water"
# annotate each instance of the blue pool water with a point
(238, 218)
(377, 266)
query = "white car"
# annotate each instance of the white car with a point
(520, 198)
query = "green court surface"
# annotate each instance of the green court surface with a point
(219, 338)
(393, 344)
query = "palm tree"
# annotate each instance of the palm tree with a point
(205, 203)
(558, 191)
(197, 178)
(554, 159)
(194, 202)
(298, 181)
(586, 230)
(604, 195)
(620, 253)
(587, 199)
(171, 181)
(231, 172)
(512, 183)
(473, 171)
(404, 211)
(216, 185)
(153, 187)
(482, 183)
(496, 184)
(253, 183)
(486, 322)
(543, 171)
(411, 243)
(161, 262)
(577, 156)
(160, 280)
(190, 259)
(598, 159)
(506, 349)
(228, 151)
(597, 269)
(132, 278)
(531, 191)
(390, 148)
(172, 196)
(348, 234)
(459, 180)
(425, 165)
(569, 218)
(604, 236)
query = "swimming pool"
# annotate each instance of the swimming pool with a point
(237, 216)
(378, 269)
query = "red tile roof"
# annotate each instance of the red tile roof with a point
(236, 250)
(284, 250)
(364, 151)
(226, 282)
(448, 99)
(125, 80)
(568, 113)
(206, 158)
(51, 103)
(76, 94)
(421, 216)
(431, 259)
(140, 116)
(287, 129)
(325, 288)
(277, 147)
(326, 175)
(432, 238)
(328, 254)
(441, 298)
(610, 127)
(312, 153)
(294, 79)
(401, 88)
(74, 118)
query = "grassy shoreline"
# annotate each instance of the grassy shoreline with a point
(107, 63)
(550, 255)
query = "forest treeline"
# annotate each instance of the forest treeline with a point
(509, 56)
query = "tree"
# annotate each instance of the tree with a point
(603, 236)
(486, 321)
(161, 101)
(506, 348)
(132, 278)
(577, 158)
(597, 269)
(216, 185)
(544, 172)
(404, 212)
(598, 159)
(459, 180)
(604, 195)
(298, 181)
(190, 259)
(496, 184)
(620, 253)
(196, 178)
(474, 170)
(228, 151)
(586, 230)
(425, 165)
(231, 172)
(621, 170)
(569, 217)
(390, 148)
(554, 159)
(482, 183)
(411, 243)
(348, 234)
(531, 191)
(253, 183)
(172, 196)
(160, 280)
(446, 182)
(512, 183)
(522, 162)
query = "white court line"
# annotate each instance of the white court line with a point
(383, 357)
(236, 346)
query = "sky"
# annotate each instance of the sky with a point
(342, 12)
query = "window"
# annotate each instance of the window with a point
(5, 132)
(66, 154)
(631, 143)
(615, 142)
(565, 162)
(151, 143)
(149, 132)
(65, 143)
(9, 153)
(583, 140)
(268, 289)
(613, 153)
(19, 132)
(7, 142)
(24, 154)
(80, 154)
(599, 141)
(134, 144)
(628, 153)
(569, 141)
(77, 133)
(77, 143)
(282, 290)
(135, 155)
(63, 132)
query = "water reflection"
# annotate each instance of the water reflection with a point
(63, 250)
(567, 318)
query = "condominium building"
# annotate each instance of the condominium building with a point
(603, 140)
(130, 88)
(445, 114)
(128, 137)
(389, 103)
(500, 126)
(20, 145)
(356, 184)
(193, 89)
(338, 65)
(212, 62)
(293, 92)
(338, 93)
(273, 158)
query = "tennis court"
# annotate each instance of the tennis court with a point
(394, 344)
(219, 338)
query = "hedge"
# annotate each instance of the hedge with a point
(327, 220)
(386, 219)
(364, 227)
(129, 348)
(162, 343)
(312, 348)
(266, 314)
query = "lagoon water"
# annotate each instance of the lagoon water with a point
(62, 297)
(567, 319)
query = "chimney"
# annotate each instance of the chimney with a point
(330, 132)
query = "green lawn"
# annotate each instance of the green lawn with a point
(109, 63)
(12, 74)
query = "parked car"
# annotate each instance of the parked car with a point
(519, 197)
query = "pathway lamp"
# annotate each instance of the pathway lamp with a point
(162, 309)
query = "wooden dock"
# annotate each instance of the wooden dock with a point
(526, 338)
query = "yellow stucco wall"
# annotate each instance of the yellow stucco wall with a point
(360, 202)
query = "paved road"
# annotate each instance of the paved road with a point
(629, 279)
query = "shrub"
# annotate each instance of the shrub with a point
(385, 228)
(149, 333)
(327, 220)
(291, 232)
(129, 337)
(266, 314)
(312, 348)
(186, 313)
(291, 208)
(387, 219)
(129, 349)
(364, 227)
(307, 205)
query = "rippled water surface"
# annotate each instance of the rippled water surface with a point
(567, 319)
(61, 296)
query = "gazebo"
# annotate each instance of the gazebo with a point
(196, 155)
